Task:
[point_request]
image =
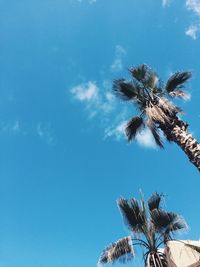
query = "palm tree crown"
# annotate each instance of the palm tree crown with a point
(150, 226)
(151, 97)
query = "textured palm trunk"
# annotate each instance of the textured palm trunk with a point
(156, 259)
(176, 131)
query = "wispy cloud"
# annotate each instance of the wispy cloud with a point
(88, 1)
(44, 131)
(11, 128)
(95, 100)
(192, 31)
(193, 6)
(85, 92)
(166, 3)
(117, 64)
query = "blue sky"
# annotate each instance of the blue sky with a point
(63, 158)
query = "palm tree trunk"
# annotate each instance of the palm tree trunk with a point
(156, 259)
(176, 131)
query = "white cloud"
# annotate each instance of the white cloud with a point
(44, 131)
(166, 3)
(118, 131)
(117, 64)
(193, 5)
(192, 31)
(145, 139)
(95, 100)
(85, 92)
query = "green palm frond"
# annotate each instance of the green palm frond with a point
(167, 222)
(133, 126)
(121, 251)
(140, 72)
(154, 130)
(132, 214)
(177, 80)
(154, 201)
(125, 90)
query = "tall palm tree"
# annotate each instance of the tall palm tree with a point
(151, 97)
(150, 226)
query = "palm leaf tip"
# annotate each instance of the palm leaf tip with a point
(122, 250)
(124, 90)
(154, 201)
(133, 126)
(177, 80)
(155, 133)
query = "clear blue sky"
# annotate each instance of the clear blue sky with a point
(63, 159)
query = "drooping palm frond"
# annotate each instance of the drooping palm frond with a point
(122, 250)
(133, 126)
(168, 107)
(125, 90)
(132, 214)
(154, 201)
(154, 131)
(177, 80)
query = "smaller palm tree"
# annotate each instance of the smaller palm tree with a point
(150, 226)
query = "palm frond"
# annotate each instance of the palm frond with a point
(155, 133)
(139, 73)
(122, 250)
(154, 201)
(133, 126)
(156, 114)
(167, 222)
(125, 90)
(181, 94)
(132, 214)
(177, 80)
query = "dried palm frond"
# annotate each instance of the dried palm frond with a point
(154, 201)
(121, 250)
(133, 126)
(169, 107)
(180, 93)
(177, 80)
(156, 114)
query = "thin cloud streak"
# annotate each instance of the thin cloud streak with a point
(117, 64)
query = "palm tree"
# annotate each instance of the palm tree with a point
(151, 97)
(150, 226)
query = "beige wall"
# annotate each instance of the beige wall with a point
(180, 255)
